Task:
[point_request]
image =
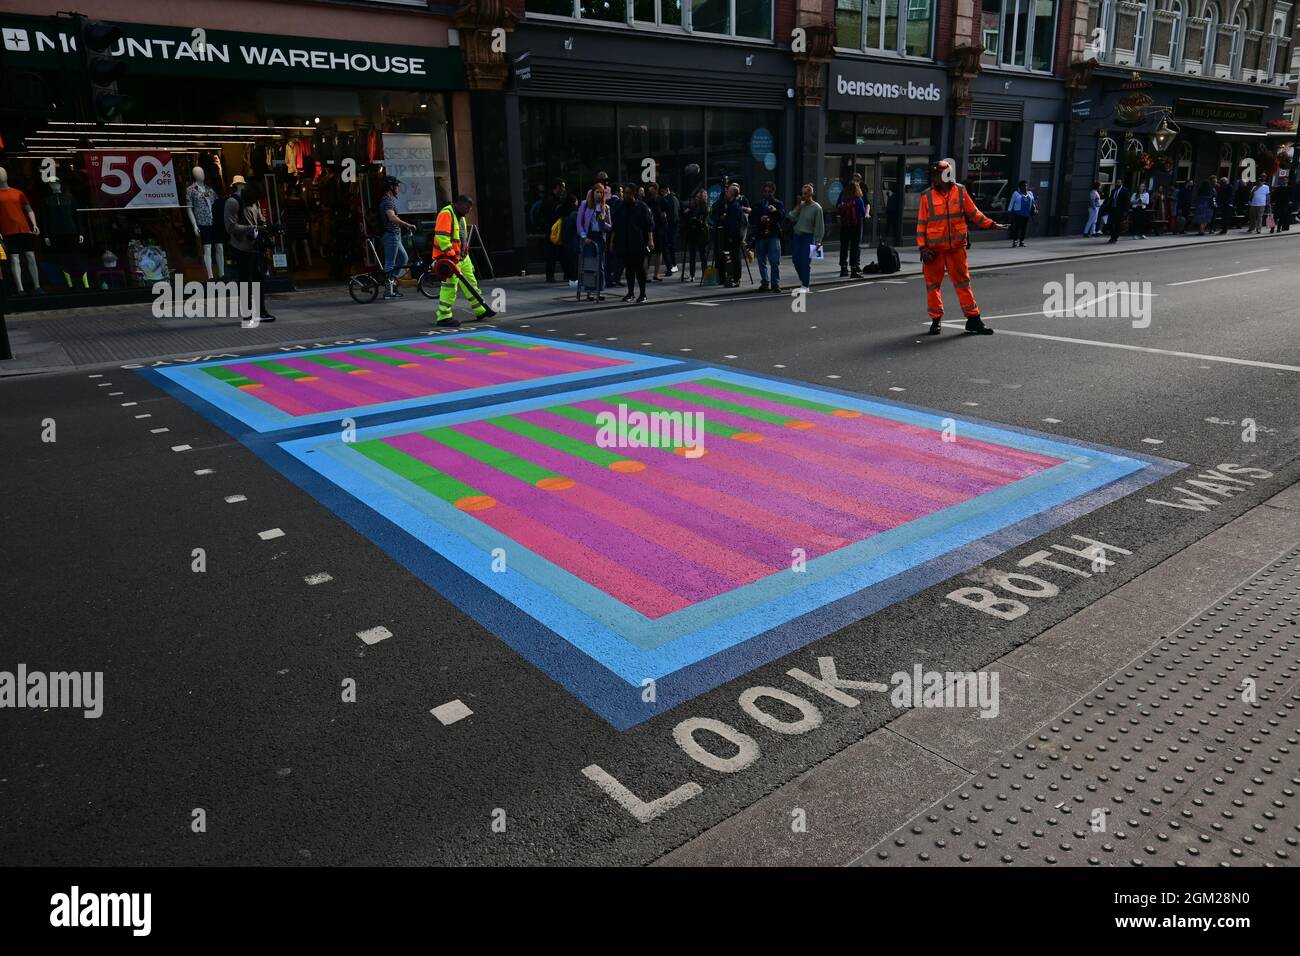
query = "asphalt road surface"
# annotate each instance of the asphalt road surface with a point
(224, 688)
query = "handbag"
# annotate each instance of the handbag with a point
(556, 232)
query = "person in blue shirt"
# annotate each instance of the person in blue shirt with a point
(1022, 208)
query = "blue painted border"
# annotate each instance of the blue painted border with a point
(601, 688)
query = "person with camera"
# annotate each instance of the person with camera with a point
(395, 255)
(765, 234)
(250, 237)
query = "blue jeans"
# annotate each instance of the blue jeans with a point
(801, 253)
(394, 253)
(769, 251)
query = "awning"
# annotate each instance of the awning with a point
(1242, 132)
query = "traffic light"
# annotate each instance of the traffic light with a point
(103, 69)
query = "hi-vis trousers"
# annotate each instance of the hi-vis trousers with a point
(451, 287)
(952, 261)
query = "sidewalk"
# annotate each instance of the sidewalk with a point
(76, 338)
(1170, 779)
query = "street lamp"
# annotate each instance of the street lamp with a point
(1164, 135)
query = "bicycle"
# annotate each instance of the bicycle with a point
(364, 286)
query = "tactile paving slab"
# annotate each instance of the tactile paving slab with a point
(1171, 762)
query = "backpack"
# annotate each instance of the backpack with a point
(848, 212)
(887, 259)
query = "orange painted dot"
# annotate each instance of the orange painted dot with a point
(307, 378)
(251, 385)
(358, 371)
(798, 425)
(747, 437)
(627, 466)
(690, 451)
(555, 484)
(476, 503)
(846, 413)
(409, 365)
(537, 348)
(496, 353)
(455, 358)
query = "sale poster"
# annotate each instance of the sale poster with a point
(131, 179)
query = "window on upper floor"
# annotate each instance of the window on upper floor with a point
(1019, 33)
(740, 18)
(897, 26)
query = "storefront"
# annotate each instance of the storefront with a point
(1013, 132)
(317, 122)
(641, 109)
(884, 123)
(1219, 130)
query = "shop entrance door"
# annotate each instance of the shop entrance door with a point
(892, 185)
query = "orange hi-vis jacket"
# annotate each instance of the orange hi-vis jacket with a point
(941, 218)
(447, 232)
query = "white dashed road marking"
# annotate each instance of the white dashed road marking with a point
(235, 499)
(374, 635)
(451, 712)
(270, 533)
(181, 447)
(320, 577)
(203, 471)
(1230, 275)
(1153, 441)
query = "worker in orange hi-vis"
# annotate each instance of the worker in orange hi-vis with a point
(941, 236)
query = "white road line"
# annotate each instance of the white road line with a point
(972, 404)
(235, 499)
(204, 471)
(778, 366)
(730, 356)
(1154, 441)
(145, 415)
(158, 431)
(181, 447)
(374, 635)
(710, 305)
(270, 533)
(320, 577)
(895, 388)
(1143, 348)
(1230, 275)
(685, 350)
(104, 385)
(96, 375)
(1052, 421)
(129, 404)
(832, 376)
(451, 712)
(115, 394)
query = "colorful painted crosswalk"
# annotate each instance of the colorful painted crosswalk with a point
(767, 513)
(300, 387)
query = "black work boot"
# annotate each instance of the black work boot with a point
(936, 326)
(975, 326)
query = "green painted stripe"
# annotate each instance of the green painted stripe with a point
(421, 352)
(376, 357)
(229, 377)
(588, 418)
(331, 363)
(503, 461)
(770, 396)
(725, 406)
(573, 447)
(412, 469)
(284, 370)
(463, 346)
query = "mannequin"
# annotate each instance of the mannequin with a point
(19, 230)
(198, 206)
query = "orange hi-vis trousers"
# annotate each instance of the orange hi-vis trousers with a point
(952, 261)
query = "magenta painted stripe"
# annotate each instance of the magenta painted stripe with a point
(803, 514)
(374, 389)
(980, 458)
(310, 393)
(447, 376)
(517, 363)
(877, 474)
(392, 377)
(273, 394)
(490, 371)
(639, 593)
(617, 498)
(557, 357)
(681, 576)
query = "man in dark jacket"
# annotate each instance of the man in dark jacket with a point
(555, 207)
(1226, 200)
(1117, 202)
(765, 235)
(734, 226)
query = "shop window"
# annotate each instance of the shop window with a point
(880, 129)
(754, 18)
(920, 130)
(840, 127)
(1184, 160)
(1194, 46)
(711, 16)
(1107, 160)
(608, 11)
(991, 174)
(1019, 33)
(902, 26)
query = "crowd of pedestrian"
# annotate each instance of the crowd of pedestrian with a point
(626, 236)
(1212, 206)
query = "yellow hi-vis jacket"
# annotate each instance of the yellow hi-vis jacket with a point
(447, 233)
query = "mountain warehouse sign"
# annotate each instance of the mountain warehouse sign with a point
(884, 88)
(49, 43)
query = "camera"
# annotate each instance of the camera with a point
(266, 236)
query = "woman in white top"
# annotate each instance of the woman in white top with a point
(1094, 207)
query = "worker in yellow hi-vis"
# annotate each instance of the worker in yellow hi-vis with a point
(453, 264)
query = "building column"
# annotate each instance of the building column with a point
(812, 46)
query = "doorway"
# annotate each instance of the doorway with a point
(891, 186)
